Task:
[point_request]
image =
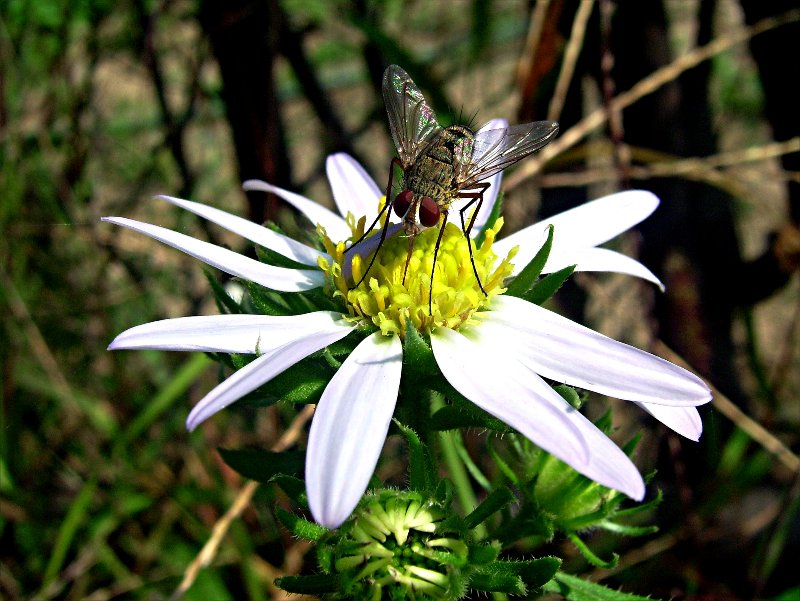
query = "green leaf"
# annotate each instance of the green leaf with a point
(493, 503)
(421, 470)
(268, 302)
(577, 589)
(529, 521)
(791, 594)
(317, 584)
(418, 360)
(548, 286)
(523, 283)
(262, 465)
(497, 578)
(569, 394)
(484, 553)
(625, 530)
(538, 572)
(300, 527)
(271, 257)
(295, 488)
(590, 556)
(461, 415)
(303, 382)
(225, 303)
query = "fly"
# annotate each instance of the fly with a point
(441, 164)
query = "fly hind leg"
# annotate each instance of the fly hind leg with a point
(476, 198)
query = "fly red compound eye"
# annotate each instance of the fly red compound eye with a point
(428, 212)
(402, 202)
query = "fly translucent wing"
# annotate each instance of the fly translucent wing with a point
(495, 149)
(412, 122)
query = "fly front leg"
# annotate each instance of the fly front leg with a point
(386, 206)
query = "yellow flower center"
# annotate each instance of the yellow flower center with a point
(391, 294)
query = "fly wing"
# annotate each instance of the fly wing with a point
(411, 120)
(495, 149)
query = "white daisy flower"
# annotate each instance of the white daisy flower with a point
(494, 350)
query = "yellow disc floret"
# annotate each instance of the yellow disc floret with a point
(391, 294)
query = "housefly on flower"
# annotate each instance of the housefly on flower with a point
(442, 164)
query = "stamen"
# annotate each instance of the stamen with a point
(398, 286)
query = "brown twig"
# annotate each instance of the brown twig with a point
(242, 500)
(748, 425)
(571, 55)
(528, 56)
(706, 169)
(644, 87)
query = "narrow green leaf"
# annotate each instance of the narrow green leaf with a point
(421, 471)
(525, 280)
(577, 589)
(300, 527)
(569, 394)
(590, 556)
(225, 303)
(166, 398)
(493, 503)
(76, 515)
(418, 358)
(548, 285)
(262, 465)
(628, 530)
(268, 302)
(497, 581)
(295, 489)
(538, 572)
(317, 584)
(459, 415)
(303, 382)
(484, 553)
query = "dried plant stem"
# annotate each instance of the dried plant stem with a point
(571, 54)
(748, 425)
(704, 169)
(528, 56)
(242, 500)
(644, 87)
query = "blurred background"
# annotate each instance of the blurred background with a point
(104, 495)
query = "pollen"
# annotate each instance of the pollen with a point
(391, 294)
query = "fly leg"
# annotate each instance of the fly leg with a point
(442, 223)
(475, 197)
(387, 205)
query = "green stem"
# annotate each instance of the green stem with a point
(449, 441)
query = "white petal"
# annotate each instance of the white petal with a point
(564, 351)
(275, 278)
(683, 420)
(261, 371)
(353, 189)
(252, 231)
(335, 226)
(584, 226)
(480, 369)
(493, 124)
(350, 427)
(596, 259)
(227, 333)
